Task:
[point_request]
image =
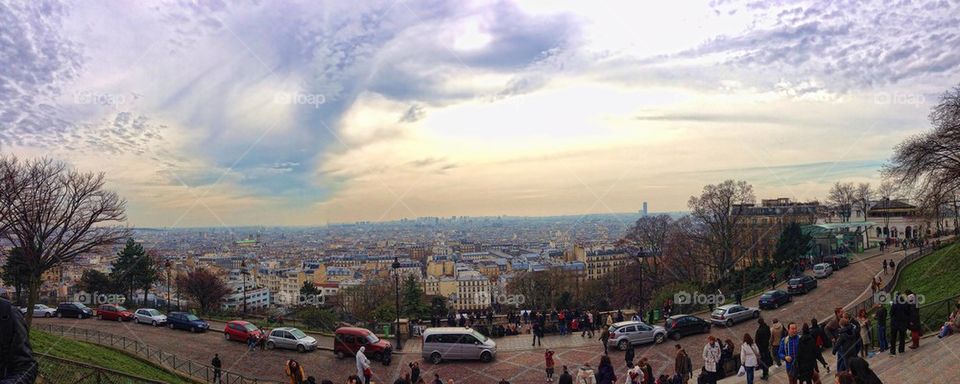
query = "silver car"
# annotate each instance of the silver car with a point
(628, 333)
(731, 314)
(40, 310)
(456, 343)
(149, 316)
(822, 270)
(291, 338)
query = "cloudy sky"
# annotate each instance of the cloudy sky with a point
(207, 113)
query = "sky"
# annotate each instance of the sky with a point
(209, 113)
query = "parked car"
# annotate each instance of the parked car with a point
(774, 299)
(74, 309)
(188, 321)
(114, 312)
(149, 316)
(626, 334)
(731, 314)
(684, 325)
(348, 340)
(40, 310)
(822, 270)
(838, 262)
(802, 284)
(457, 343)
(291, 338)
(240, 330)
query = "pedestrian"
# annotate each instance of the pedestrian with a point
(776, 334)
(773, 280)
(585, 375)
(634, 375)
(891, 266)
(251, 343)
(820, 339)
(880, 318)
(711, 356)
(605, 373)
(535, 331)
(562, 323)
(262, 340)
(726, 355)
(846, 345)
(414, 371)
(363, 366)
(548, 362)
(436, 379)
(619, 315)
(807, 355)
(647, 371)
(762, 339)
(913, 322)
(899, 316)
(861, 372)
(294, 372)
(17, 364)
(604, 335)
(217, 365)
(737, 296)
(682, 364)
(609, 319)
(884, 261)
(749, 356)
(629, 354)
(787, 351)
(565, 377)
(864, 328)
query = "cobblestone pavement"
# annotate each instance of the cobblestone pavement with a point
(516, 360)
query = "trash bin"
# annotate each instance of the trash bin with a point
(656, 315)
(386, 329)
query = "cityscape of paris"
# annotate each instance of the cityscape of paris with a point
(467, 192)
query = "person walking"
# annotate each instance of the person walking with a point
(787, 351)
(773, 280)
(605, 372)
(807, 355)
(436, 379)
(711, 356)
(562, 322)
(861, 372)
(749, 356)
(884, 260)
(634, 375)
(880, 318)
(899, 316)
(864, 328)
(565, 377)
(363, 366)
(251, 343)
(776, 335)
(414, 372)
(682, 364)
(548, 363)
(762, 339)
(536, 334)
(585, 375)
(913, 322)
(294, 372)
(846, 345)
(217, 365)
(604, 335)
(629, 355)
(647, 371)
(820, 339)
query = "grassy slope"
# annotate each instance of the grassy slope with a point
(934, 276)
(96, 355)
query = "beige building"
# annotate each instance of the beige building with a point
(598, 262)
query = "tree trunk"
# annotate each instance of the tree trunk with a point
(145, 290)
(33, 294)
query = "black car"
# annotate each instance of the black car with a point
(684, 325)
(74, 309)
(802, 284)
(837, 261)
(774, 299)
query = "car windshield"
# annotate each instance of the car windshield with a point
(297, 333)
(250, 327)
(373, 339)
(768, 295)
(795, 281)
(80, 305)
(719, 312)
(153, 312)
(192, 318)
(480, 337)
(119, 308)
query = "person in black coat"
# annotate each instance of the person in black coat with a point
(565, 377)
(846, 345)
(16, 357)
(629, 355)
(807, 354)
(862, 374)
(899, 317)
(762, 340)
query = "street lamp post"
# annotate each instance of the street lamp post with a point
(166, 265)
(396, 276)
(243, 271)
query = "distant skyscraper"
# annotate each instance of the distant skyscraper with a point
(644, 208)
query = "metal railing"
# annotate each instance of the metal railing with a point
(153, 354)
(59, 370)
(868, 303)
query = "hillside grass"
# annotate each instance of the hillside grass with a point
(934, 276)
(45, 343)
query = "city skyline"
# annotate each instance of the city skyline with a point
(207, 114)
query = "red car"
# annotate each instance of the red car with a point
(240, 330)
(348, 340)
(114, 312)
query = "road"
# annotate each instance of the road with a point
(516, 361)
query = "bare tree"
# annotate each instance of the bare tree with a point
(648, 236)
(716, 209)
(863, 195)
(204, 288)
(681, 251)
(930, 161)
(841, 197)
(53, 214)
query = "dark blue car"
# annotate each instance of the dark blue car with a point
(188, 321)
(774, 299)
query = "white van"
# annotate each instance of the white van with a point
(457, 343)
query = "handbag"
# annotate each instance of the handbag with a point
(367, 372)
(742, 371)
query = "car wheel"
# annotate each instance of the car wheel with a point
(435, 358)
(623, 345)
(193, 329)
(339, 355)
(776, 305)
(756, 314)
(729, 323)
(80, 315)
(119, 319)
(376, 356)
(226, 336)
(154, 323)
(658, 339)
(59, 315)
(170, 325)
(47, 315)
(486, 357)
(270, 345)
(301, 348)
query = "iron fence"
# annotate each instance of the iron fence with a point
(153, 354)
(59, 370)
